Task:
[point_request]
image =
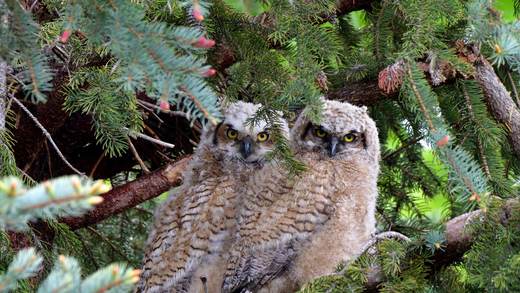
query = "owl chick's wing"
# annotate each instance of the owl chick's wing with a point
(198, 227)
(165, 227)
(269, 242)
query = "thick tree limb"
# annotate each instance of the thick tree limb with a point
(499, 100)
(131, 194)
(458, 241)
(3, 92)
(360, 93)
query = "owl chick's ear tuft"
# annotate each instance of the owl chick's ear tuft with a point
(300, 127)
(215, 133)
(209, 134)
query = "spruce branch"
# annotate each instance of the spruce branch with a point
(59, 197)
(111, 277)
(65, 276)
(25, 265)
(457, 240)
(402, 148)
(107, 241)
(46, 133)
(7, 161)
(454, 163)
(467, 174)
(421, 102)
(46, 201)
(213, 120)
(374, 240)
(480, 147)
(171, 112)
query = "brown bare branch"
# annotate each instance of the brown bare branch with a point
(458, 241)
(133, 193)
(3, 91)
(361, 93)
(499, 100)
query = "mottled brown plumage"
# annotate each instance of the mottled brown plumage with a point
(194, 228)
(309, 224)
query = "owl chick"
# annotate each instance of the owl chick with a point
(325, 218)
(187, 246)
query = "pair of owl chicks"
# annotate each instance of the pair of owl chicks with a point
(240, 223)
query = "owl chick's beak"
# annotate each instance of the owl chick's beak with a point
(246, 147)
(333, 143)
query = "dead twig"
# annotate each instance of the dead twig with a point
(46, 133)
(149, 138)
(96, 165)
(145, 104)
(137, 157)
(107, 241)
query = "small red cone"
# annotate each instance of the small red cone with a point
(202, 42)
(65, 36)
(164, 105)
(197, 14)
(209, 73)
(474, 196)
(443, 141)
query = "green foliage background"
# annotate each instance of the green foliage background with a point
(279, 49)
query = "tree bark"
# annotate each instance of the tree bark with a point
(360, 93)
(499, 100)
(131, 194)
(458, 241)
(3, 93)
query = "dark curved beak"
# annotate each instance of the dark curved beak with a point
(333, 143)
(246, 147)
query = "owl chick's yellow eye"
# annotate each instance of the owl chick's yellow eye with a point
(231, 133)
(349, 137)
(320, 132)
(262, 136)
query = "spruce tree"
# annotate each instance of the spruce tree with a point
(119, 90)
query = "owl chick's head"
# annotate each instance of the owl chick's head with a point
(235, 139)
(344, 130)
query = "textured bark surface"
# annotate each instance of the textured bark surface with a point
(458, 239)
(3, 97)
(131, 194)
(499, 101)
(360, 93)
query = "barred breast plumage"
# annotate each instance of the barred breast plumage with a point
(323, 218)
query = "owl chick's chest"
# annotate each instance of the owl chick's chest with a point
(332, 178)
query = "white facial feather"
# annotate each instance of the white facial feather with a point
(238, 114)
